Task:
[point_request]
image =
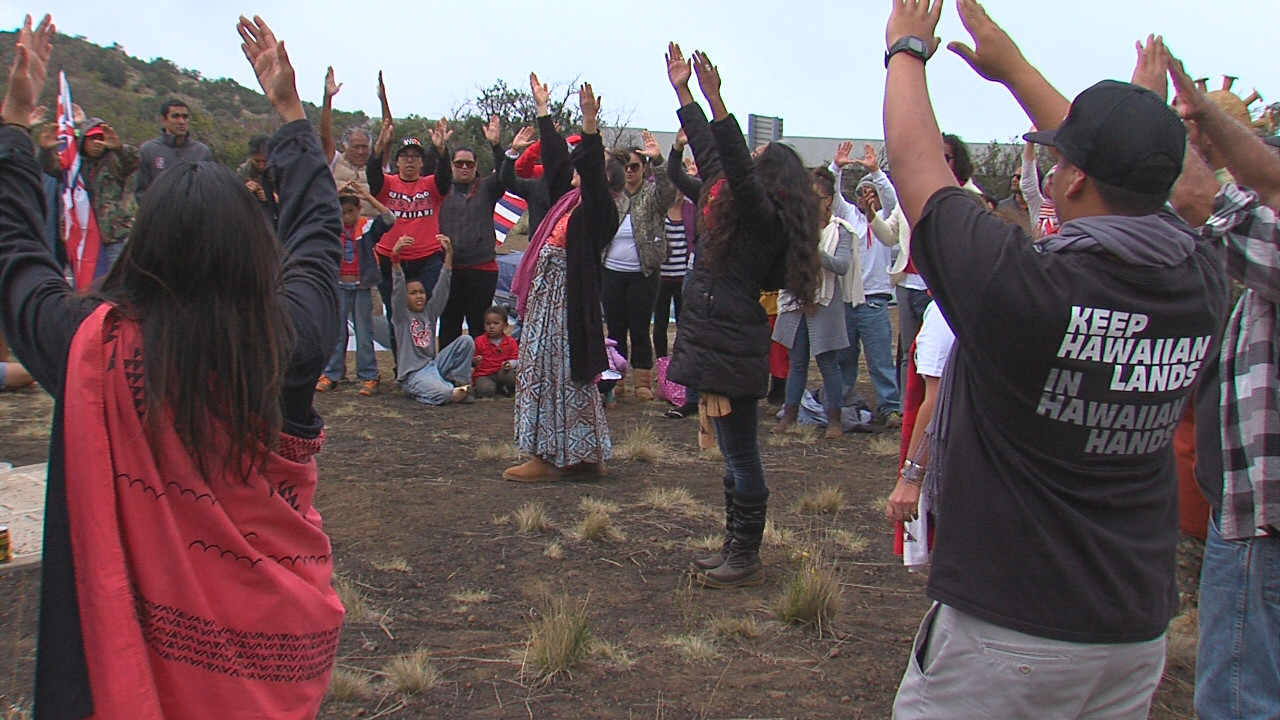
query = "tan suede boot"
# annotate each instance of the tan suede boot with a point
(789, 415)
(644, 385)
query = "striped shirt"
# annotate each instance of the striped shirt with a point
(1250, 365)
(677, 248)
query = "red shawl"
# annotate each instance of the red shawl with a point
(197, 599)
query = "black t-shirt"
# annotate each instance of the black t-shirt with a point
(1058, 514)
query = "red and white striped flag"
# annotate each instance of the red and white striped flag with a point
(80, 227)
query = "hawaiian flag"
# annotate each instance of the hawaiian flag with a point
(506, 213)
(79, 226)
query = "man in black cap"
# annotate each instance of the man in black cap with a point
(1050, 467)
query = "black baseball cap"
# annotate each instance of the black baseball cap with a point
(411, 143)
(1123, 135)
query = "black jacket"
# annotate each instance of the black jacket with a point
(722, 343)
(466, 216)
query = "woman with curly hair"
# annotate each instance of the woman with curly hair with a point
(758, 217)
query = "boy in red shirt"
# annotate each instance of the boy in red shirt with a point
(497, 355)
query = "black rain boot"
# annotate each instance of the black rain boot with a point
(715, 561)
(742, 568)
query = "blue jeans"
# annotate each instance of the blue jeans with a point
(1238, 663)
(736, 434)
(798, 377)
(869, 325)
(358, 305)
(433, 384)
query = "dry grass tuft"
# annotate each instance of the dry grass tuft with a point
(501, 519)
(17, 712)
(826, 500)
(395, 564)
(532, 517)
(710, 543)
(596, 526)
(612, 653)
(347, 684)
(1182, 639)
(353, 599)
(589, 504)
(884, 445)
(676, 499)
(641, 443)
(712, 453)
(471, 597)
(694, 647)
(849, 541)
(412, 674)
(811, 596)
(779, 536)
(726, 626)
(559, 638)
(500, 451)
(554, 550)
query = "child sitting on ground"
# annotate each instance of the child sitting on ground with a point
(357, 275)
(425, 376)
(497, 355)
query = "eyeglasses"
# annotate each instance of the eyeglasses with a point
(634, 167)
(464, 163)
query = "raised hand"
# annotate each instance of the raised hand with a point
(446, 244)
(37, 116)
(843, 150)
(30, 67)
(493, 130)
(651, 149)
(331, 86)
(869, 161)
(541, 95)
(1191, 102)
(523, 139)
(1150, 70)
(589, 102)
(385, 135)
(708, 75)
(270, 61)
(914, 17)
(110, 140)
(994, 55)
(679, 70)
(440, 134)
(402, 242)
(48, 138)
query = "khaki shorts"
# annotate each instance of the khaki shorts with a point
(968, 669)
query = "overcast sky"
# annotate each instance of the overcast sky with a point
(817, 63)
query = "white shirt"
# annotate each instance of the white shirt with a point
(933, 343)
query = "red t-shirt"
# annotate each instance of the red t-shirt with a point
(351, 247)
(492, 356)
(415, 205)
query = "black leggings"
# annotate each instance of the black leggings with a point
(670, 290)
(470, 295)
(628, 305)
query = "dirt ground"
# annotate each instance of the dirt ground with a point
(426, 538)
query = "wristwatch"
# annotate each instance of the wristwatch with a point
(909, 44)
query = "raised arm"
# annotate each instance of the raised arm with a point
(507, 175)
(440, 294)
(310, 222)
(440, 135)
(840, 207)
(871, 163)
(688, 185)
(331, 88)
(557, 173)
(739, 169)
(373, 166)
(38, 311)
(597, 209)
(692, 120)
(1250, 161)
(1029, 183)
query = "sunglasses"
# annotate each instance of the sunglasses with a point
(464, 163)
(634, 167)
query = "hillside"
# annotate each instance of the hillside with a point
(127, 92)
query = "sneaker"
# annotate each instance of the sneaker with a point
(324, 384)
(893, 420)
(369, 387)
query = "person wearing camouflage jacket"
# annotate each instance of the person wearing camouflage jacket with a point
(107, 167)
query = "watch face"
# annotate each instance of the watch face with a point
(917, 45)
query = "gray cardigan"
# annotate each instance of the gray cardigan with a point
(826, 326)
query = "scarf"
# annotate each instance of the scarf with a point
(529, 262)
(827, 243)
(198, 600)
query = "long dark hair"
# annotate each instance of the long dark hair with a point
(200, 275)
(790, 187)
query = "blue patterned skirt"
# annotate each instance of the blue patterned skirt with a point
(557, 419)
